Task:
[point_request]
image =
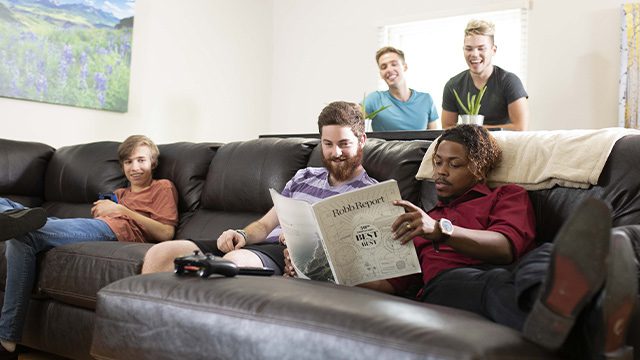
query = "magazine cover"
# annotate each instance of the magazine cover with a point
(346, 238)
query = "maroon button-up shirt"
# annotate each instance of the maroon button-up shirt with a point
(505, 209)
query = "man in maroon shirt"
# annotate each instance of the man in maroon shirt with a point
(476, 249)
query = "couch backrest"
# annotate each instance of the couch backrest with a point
(618, 185)
(22, 168)
(77, 173)
(186, 164)
(226, 186)
(236, 190)
(238, 181)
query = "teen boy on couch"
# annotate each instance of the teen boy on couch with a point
(147, 210)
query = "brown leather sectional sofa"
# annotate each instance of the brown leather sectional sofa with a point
(90, 302)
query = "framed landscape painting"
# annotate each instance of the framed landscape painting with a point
(70, 52)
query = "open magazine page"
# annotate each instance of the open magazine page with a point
(303, 238)
(356, 228)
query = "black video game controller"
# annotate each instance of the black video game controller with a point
(204, 265)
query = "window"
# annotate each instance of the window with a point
(433, 48)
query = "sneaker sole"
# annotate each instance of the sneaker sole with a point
(21, 222)
(576, 273)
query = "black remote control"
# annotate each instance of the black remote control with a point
(204, 265)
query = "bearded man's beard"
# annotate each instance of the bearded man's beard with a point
(343, 170)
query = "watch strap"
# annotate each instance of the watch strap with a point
(442, 238)
(243, 233)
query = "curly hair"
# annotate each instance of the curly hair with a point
(483, 151)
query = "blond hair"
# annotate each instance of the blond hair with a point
(480, 27)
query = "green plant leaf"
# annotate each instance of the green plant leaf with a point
(480, 95)
(375, 113)
(473, 102)
(455, 93)
(472, 105)
(371, 115)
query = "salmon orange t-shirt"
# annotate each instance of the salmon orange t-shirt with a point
(159, 202)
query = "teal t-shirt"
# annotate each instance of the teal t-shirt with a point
(414, 114)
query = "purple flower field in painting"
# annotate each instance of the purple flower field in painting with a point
(66, 52)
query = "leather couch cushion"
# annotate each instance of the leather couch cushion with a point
(23, 167)
(209, 224)
(74, 273)
(396, 160)
(241, 173)
(237, 187)
(280, 318)
(58, 328)
(76, 174)
(186, 164)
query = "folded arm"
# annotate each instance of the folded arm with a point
(155, 229)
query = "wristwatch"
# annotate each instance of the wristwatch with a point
(446, 229)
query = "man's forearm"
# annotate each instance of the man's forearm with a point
(256, 232)
(488, 246)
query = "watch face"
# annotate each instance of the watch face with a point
(446, 226)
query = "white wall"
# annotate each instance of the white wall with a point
(201, 71)
(216, 70)
(574, 63)
(324, 51)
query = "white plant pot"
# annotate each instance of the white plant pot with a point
(367, 125)
(471, 119)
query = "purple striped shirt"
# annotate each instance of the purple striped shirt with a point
(312, 185)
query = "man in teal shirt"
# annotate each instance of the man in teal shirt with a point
(408, 109)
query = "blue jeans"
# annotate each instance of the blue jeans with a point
(21, 261)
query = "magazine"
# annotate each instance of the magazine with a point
(346, 238)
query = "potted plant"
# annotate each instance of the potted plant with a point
(472, 109)
(368, 118)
